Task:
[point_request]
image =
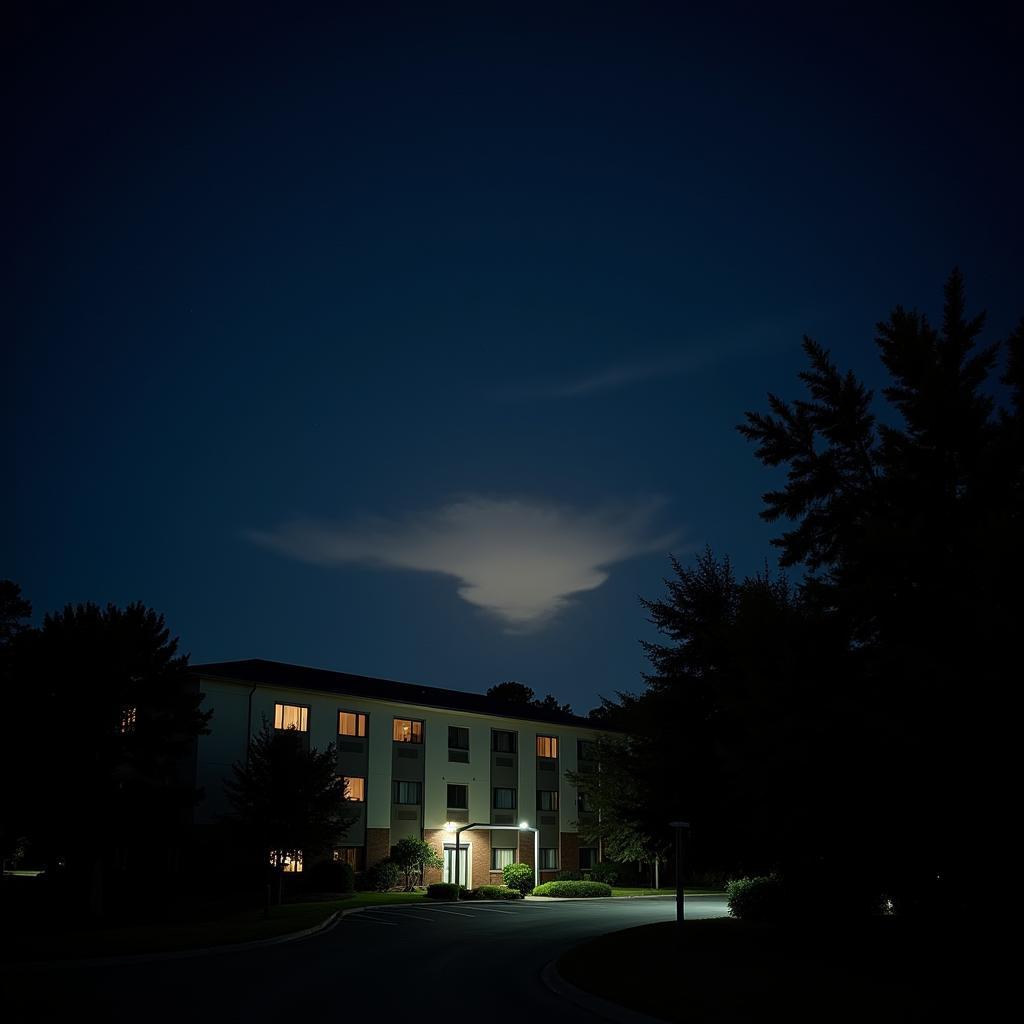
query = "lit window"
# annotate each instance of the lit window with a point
(291, 716)
(549, 858)
(351, 723)
(355, 788)
(458, 738)
(503, 742)
(129, 715)
(408, 731)
(547, 799)
(547, 746)
(458, 797)
(349, 855)
(289, 861)
(406, 792)
(501, 858)
(505, 799)
(588, 856)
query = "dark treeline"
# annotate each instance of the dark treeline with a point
(844, 730)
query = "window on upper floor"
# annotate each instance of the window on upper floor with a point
(458, 797)
(586, 750)
(351, 723)
(458, 738)
(355, 788)
(291, 716)
(405, 792)
(547, 799)
(407, 730)
(503, 742)
(547, 746)
(582, 803)
(504, 799)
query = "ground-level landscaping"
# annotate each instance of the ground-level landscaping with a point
(882, 970)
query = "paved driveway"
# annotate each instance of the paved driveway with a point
(422, 963)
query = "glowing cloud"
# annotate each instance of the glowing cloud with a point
(519, 560)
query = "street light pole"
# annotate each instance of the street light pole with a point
(681, 828)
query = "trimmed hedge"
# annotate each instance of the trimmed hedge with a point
(573, 889)
(756, 899)
(442, 890)
(497, 892)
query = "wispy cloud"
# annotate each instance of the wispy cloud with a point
(519, 560)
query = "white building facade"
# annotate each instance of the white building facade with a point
(418, 761)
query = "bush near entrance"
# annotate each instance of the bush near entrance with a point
(518, 876)
(756, 899)
(443, 890)
(497, 892)
(577, 889)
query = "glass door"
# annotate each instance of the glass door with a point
(449, 864)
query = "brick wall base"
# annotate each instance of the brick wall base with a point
(570, 855)
(378, 845)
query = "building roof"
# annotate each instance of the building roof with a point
(276, 673)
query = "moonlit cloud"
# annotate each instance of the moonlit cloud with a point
(517, 559)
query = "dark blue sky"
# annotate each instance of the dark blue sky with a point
(320, 319)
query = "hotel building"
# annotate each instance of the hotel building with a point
(418, 761)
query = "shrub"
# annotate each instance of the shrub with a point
(497, 892)
(573, 889)
(756, 899)
(606, 872)
(383, 876)
(518, 876)
(442, 890)
(411, 856)
(329, 876)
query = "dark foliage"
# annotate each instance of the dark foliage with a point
(516, 694)
(573, 889)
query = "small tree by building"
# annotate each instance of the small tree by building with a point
(289, 801)
(411, 856)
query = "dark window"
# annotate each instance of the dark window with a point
(585, 750)
(547, 799)
(588, 856)
(458, 738)
(505, 799)
(406, 792)
(582, 804)
(503, 742)
(549, 858)
(354, 855)
(458, 796)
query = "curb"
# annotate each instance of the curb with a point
(595, 1004)
(126, 960)
(183, 954)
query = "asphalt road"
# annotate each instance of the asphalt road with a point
(424, 963)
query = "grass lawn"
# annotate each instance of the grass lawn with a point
(84, 942)
(620, 891)
(882, 970)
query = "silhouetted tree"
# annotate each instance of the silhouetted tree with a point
(111, 713)
(288, 799)
(911, 529)
(519, 695)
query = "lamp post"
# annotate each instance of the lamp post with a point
(681, 828)
(523, 827)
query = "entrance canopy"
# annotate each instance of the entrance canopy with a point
(521, 827)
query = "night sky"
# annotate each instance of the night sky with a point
(409, 341)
